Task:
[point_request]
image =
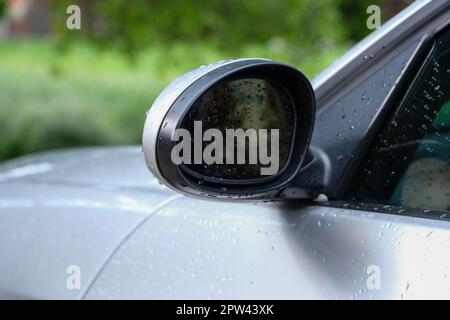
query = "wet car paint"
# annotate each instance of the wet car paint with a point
(69, 208)
(144, 241)
(278, 251)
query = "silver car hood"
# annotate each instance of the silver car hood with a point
(98, 168)
(65, 208)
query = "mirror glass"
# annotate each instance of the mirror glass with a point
(240, 129)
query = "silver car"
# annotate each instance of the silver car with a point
(358, 207)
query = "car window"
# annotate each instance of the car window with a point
(409, 161)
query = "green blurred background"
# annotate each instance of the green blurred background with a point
(64, 88)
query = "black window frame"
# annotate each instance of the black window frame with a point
(390, 108)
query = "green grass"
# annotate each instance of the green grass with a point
(86, 96)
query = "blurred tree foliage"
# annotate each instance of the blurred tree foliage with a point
(305, 24)
(2, 7)
(83, 90)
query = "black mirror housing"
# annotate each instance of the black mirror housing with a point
(256, 104)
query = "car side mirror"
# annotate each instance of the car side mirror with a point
(235, 129)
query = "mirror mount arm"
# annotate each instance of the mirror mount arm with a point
(313, 177)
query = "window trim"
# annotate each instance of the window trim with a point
(421, 213)
(388, 109)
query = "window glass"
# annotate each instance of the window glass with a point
(409, 162)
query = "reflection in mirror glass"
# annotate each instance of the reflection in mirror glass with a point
(253, 125)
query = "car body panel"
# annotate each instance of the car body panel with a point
(69, 208)
(149, 242)
(199, 250)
